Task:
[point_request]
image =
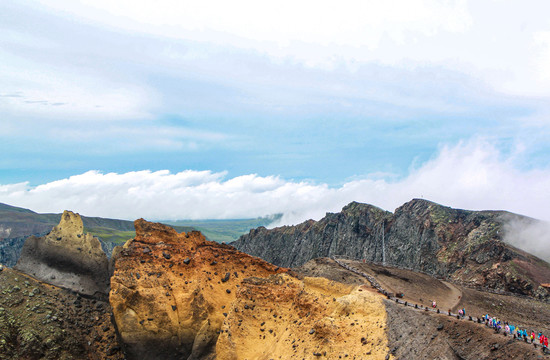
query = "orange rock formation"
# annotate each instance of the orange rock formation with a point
(180, 296)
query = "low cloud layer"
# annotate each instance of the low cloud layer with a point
(471, 175)
(529, 235)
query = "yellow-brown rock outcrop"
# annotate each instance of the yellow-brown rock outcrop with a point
(179, 296)
(286, 318)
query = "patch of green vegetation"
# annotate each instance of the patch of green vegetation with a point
(223, 230)
(440, 215)
(114, 236)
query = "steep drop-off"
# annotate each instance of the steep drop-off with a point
(179, 296)
(464, 246)
(67, 257)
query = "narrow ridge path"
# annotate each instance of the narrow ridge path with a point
(455, 290)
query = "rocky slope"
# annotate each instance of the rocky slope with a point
(67, 257)
(40, 321)
(464, 246)
(20, 222)
(179, 296)
(416, 334)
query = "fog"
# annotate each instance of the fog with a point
(528, 234)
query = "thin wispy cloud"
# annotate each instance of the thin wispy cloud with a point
(509, 51)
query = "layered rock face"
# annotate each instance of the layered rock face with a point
(465, 246)
(67, 257)
(179, 296)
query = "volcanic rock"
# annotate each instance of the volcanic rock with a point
(67, 257)
(205, 318)
(463, 246)
(144, 315)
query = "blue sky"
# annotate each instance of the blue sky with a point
(301, 95)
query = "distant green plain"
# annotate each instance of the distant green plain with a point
(224, 230)
(214, 230)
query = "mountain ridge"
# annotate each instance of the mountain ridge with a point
(462, 245)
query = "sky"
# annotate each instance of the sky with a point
(215, 109)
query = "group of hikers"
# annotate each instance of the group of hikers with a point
(518, 333)
(509, 329)
(489, 321)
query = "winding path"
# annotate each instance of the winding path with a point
(456, 292)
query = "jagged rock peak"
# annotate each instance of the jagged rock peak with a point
(356, 209)
(421, 206)
(355, 206)
(150, 232)
(70, 224)
(69, 234)
(67, 257)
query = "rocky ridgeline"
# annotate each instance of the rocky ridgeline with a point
(464, 246)
(176, 295)
(67, 257)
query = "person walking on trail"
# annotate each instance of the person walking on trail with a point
(434, 304)
(463, 311)
(532, 336)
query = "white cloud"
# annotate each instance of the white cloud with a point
(348, 22)
(471, 175)
(528, 235)
(501, 43)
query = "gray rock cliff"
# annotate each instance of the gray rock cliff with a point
(464, 246)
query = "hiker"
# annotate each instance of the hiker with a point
(434, 304)
(532, 336)
(463, 312)
(507, 329)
